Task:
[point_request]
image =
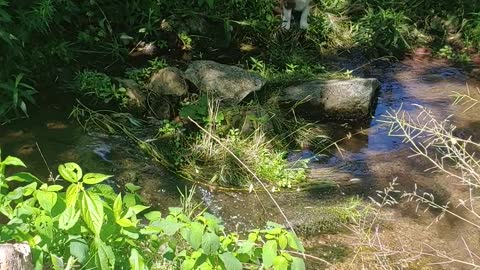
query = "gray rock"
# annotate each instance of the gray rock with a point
(168, 81)
(230, 84)
(136, 98)
(334, 99)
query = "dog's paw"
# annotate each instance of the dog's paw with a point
(304, 25)
(286, 25)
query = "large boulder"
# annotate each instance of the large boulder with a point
(230, 84)
(168, 81)
(333, 99)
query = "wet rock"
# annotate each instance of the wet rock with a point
(230, 84)
(334, 99)
(168, 81)
(136, 98)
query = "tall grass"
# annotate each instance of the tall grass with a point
(436, 141)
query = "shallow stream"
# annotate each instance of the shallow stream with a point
(369, 160)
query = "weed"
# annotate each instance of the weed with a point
(141, 75)
(101, 87)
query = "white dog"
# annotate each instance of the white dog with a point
(298, 5)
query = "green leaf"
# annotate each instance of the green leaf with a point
(230, 262)
(282, 241)
(188, 264)
(105, 256)
(92, 211)
(125, 222)
(195, 233)
(129, 200)
(23, 177)
(54, 188)
(13, 161)
(280, 263)
(136, 260)
(71, 172)
(294, 242)
(210, 243)
(68, 218)
(44, 226)
(169, 227)
(72, 195)
(297, 264)
(132, 188)
(153, 215)
(46, 199)
(117, 207)
(137, 208)
(57, 262)
(79, 249)
(95, 178)
(269, 253)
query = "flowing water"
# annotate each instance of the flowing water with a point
(369, 160)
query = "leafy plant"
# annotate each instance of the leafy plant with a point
(141, 75)
(14, 95)
(101, 87)
(88, 225)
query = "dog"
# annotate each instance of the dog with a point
(288, 6)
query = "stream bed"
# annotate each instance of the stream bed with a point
(370, 159)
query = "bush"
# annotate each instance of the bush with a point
(89, 225)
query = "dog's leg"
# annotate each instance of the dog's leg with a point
(304, 18)
(286, 18)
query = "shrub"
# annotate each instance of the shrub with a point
(89, 225)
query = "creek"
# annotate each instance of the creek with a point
(370, 159)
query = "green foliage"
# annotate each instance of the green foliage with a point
(141, 75)
(86, 224)
(101, 87)
(386, 30)
(14, 96)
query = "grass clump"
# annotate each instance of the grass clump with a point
(100, 87)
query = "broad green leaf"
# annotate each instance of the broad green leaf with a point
(130, 234)
(29, 189)
(230, 262)
(54, 188)
(170, 227)
(68, 218)
(15, 194)
(280, 263)
(13, 161)
(153, 215)
(132, 188)
(79, 249)
(105, 256)
(117, 207)
(269, 253)
(188, 264)
(57, 262)
(247, 248)
(129, 200)
(210, 243)
(46, 199)
(95, 178)
(195, 233)
(136, 260)
(134, 210)
(125, 223)
(72, 195)
(294, 242)
(44, 226)
(71, 172)
(297, 264)
(23, 177)
(92, 211)
(282, 241)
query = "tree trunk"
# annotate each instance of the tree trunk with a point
(15, 257)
